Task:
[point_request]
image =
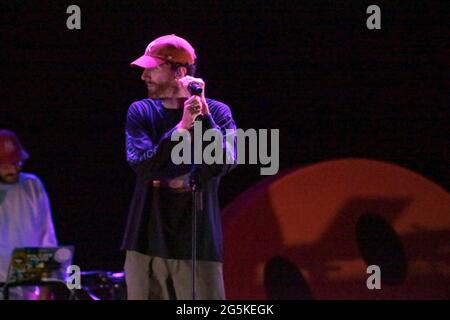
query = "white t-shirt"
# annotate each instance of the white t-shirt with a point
(25, 218)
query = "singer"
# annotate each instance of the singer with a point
(157, 240)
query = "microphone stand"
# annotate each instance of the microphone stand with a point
(197, 202)
(197, 207)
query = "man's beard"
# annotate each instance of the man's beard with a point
(165, 91)
(10, 178)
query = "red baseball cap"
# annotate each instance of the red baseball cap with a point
(11, 151)
(169, 48)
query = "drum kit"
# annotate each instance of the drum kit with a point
(102, 285)
(95, 285)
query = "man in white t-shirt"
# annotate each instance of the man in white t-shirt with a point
(25, 215)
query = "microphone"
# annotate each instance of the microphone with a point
(195, 89)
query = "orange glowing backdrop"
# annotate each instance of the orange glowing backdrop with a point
(310, 233)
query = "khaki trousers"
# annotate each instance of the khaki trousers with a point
(155, 278)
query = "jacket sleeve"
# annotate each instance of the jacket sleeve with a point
(46, 228)
(221, 119)
(149, 158)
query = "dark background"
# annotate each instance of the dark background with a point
(334, 89)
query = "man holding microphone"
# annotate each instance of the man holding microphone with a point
(158, 237)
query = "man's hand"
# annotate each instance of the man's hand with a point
(192, 108)
(185, 81)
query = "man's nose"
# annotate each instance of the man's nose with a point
(145, 75)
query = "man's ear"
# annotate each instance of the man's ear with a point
(180, 72)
